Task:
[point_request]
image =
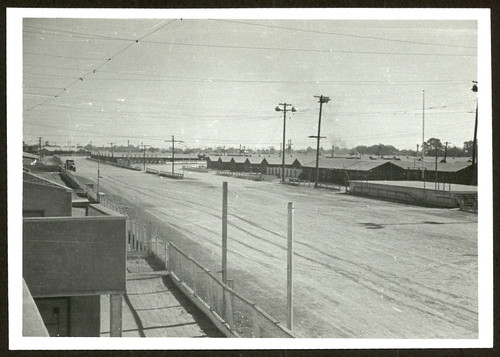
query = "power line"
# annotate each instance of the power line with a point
(346, 35)
(107, 60)
(54, 67)
(395, 134)
(291, 81)
(215, 80)
(160, 115)
(94, 36)
(48, 75)
(330, 51)
(66, 57)
(71, 34)
(42, 87)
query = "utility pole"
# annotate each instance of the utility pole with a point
(144, 155)
(436, 170)
(415, 158)
(173, 150)
(40, 148)
(128, 152)
(289, 147)
(322, 100)
(278, 109)
(445, 151)
(112, 151)
(474, 143)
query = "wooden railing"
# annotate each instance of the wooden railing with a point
(233, 314)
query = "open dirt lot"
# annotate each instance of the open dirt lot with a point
(363, 268)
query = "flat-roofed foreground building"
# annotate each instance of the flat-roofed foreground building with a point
(70, 261)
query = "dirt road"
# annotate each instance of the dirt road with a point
(363, 268)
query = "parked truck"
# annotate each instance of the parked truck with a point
(70, 165)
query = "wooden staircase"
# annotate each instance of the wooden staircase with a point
(467, 201)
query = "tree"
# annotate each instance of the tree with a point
(432, 146)
(468, 147)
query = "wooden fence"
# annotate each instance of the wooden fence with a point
(244, 175)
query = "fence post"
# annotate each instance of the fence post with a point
(115, 307)
(289, 277)
(230, 307)
(139, 237)
(151, 236)
(166, 256)
(134, 236)
(224, 245)
(127, 229)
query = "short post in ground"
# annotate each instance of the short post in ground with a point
(224, 244)
(289, 268)
(115, 315)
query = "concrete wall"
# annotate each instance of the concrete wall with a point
(405, 194)
(95, 210)
(75, 255)
(75, 316)
(52, 201)
(43, 168)
(85, 316)
(69, 179)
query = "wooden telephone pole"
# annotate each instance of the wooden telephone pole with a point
(322, 100)
(278, 109)
(144, 155)
(112, 151)
(173, 150)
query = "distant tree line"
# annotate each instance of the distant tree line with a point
(430, 148)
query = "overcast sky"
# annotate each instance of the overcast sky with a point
(217, 82)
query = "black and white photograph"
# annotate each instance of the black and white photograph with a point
(319, 175)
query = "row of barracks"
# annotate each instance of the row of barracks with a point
(340, 170)
(134, 158)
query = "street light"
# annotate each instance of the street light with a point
(278, 109)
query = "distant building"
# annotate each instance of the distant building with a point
(240, 164)
(459, 172)
(31, 149)
(341, 170)
(274, 166)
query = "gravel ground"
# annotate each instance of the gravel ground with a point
(363, 268)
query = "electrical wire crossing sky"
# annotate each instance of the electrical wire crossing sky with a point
(216, 82)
